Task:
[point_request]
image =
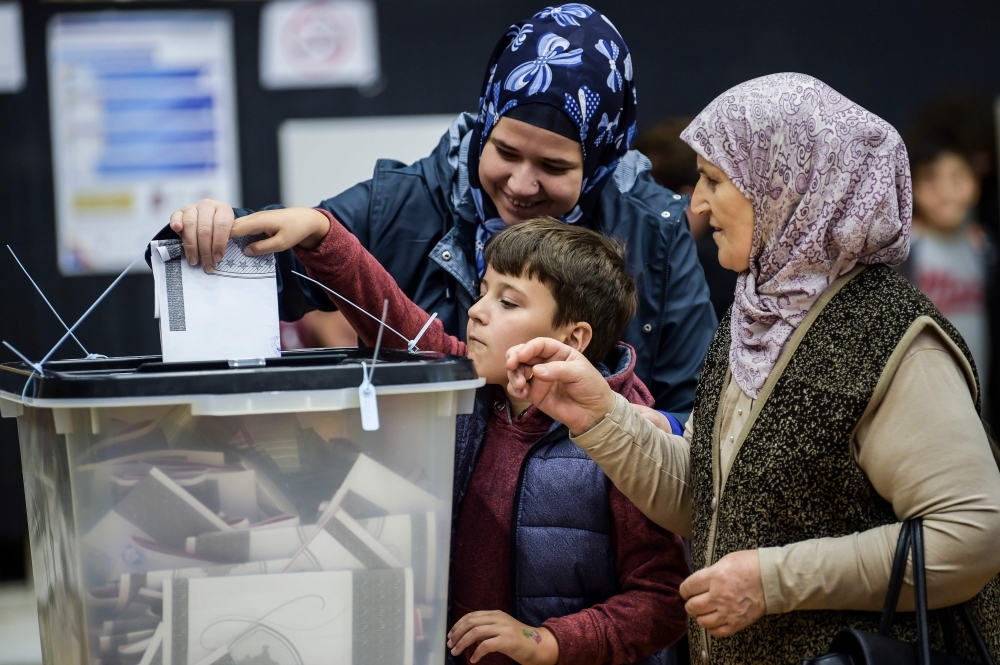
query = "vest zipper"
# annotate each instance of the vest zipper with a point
(514, 513)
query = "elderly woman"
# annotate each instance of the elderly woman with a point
(835, 400)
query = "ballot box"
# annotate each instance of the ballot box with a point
(237, 511)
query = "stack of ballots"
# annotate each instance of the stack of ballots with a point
(195, 509)
(281, 547)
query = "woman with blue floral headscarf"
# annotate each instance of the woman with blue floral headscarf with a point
(556, 116)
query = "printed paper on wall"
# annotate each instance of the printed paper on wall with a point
(318, 44)
(143, 122)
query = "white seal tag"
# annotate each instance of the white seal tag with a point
(369, 403)
(366, 391)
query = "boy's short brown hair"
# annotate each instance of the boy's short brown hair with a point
(585, 271)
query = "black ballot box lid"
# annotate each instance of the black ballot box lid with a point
(148, 376)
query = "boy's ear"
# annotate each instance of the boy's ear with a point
(578, 335)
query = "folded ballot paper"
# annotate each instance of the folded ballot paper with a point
(156, 509)
(230, 314)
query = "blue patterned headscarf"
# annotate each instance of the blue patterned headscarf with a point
(570, 57)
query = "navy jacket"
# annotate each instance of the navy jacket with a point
(563, 557)
(418, 222)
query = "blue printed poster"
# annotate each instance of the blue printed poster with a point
(143, 122)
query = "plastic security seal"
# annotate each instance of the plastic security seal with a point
(366, 391)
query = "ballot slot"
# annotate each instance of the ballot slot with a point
(163, 536)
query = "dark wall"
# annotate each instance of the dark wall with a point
(887, 56)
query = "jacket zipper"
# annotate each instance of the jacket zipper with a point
(663, 308)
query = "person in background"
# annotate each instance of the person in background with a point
(951, 258)
(675, 168)
(964, 122)
(556, 117)
(318, 330)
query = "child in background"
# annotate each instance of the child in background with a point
(950, 256)
(550, 562)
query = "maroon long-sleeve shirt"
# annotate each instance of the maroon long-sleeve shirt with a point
(646, 616)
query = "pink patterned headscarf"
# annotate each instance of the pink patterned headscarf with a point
(830, 188)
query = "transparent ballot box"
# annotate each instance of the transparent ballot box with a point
(215, 512)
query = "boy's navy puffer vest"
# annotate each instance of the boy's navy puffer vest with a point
(563, 558)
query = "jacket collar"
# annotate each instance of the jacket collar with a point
(618, 368)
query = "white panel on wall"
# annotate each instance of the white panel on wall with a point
(321, 158)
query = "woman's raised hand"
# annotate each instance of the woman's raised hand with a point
(561, 382)
(206, 227)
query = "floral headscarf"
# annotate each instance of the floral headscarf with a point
(830, 188)
(573, 58)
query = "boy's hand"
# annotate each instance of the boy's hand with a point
(285, 228)
(561, 382)
(498, 632)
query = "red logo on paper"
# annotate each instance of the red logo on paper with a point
(316, 36)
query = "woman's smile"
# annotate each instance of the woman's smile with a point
(523, 207)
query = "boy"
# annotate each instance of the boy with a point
(539, 532)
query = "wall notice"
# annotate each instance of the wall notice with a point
(318, 44)
(11, 48)
(143, 122)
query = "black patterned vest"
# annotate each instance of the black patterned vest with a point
(795, 477)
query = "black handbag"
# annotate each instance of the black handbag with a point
(856, 647)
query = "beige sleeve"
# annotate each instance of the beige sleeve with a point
(925, 451)
(649, 466)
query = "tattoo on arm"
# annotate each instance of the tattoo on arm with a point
(533, 635)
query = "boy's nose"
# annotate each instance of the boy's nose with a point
(477, 313)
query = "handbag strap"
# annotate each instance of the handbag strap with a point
(920, 591)
(895, 579)
(911, 538)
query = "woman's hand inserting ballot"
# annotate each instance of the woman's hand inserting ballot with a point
(561, 382)
(498, 632)
(206, 227)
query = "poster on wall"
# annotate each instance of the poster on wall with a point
(11, 48)
(318, 44)
(143, 122)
